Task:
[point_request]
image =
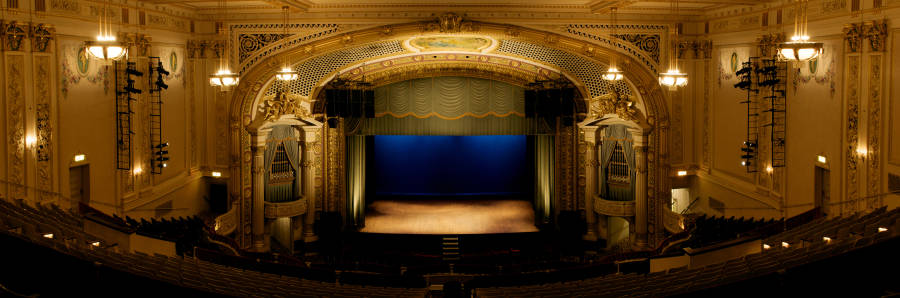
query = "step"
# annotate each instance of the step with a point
(451, 243)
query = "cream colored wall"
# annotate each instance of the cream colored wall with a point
(84, 115)
(817, 118)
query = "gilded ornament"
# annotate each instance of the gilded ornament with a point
(13, 34)
(877, 34)
(853, 34)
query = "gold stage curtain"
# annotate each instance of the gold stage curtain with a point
(449, 98)
(451, 106)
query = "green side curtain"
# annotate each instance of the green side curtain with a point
(543, 172)
(356, 180)
(286, 135)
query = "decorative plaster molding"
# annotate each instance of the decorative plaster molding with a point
(853, 34)
(853, 96)
(14, 34)
(41, 35)
(285, 209)
(767, 44)
(15, 125)
(613, 208)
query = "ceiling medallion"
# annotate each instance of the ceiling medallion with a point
(465, 43)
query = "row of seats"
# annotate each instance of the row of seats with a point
(710, 230)
(811, 242)
(54, 230)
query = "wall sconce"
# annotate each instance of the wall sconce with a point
(766, 246)
(826, 239)
(95, 243)
(217, 174)
(822, 159)
(770, 169)
(682, 173)
(785, 244)
(862, 152)
(30, 140)
(137, 170)
(79, 157)
(48, 235)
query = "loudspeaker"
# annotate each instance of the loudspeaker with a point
(218, 198)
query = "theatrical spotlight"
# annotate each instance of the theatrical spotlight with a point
(161, 70)
(134, 72)
(131, 89)
(161, 84)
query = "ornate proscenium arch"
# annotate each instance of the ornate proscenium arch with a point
(521, 54)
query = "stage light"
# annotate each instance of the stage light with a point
(79, 157)
(822, 159)
(682, 173)
(48, 235)
(217, 174)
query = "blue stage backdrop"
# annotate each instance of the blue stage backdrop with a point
(492, 165)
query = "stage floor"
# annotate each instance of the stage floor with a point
(459, 216)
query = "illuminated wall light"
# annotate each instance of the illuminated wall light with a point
(882, 229)
(826, 239)
(48, 235)
(30, 140)
(862, 151)
(743, 163)
(217, 174)
(682, 173)
(766, 246)
(822, 159)
(770, 169)
(137, 170)
(785, 244)
(96, 243)
(79, 157)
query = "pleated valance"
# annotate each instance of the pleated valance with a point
(449, 98)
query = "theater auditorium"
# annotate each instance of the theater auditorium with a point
(456, 148)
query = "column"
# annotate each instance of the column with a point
(309, 187)
(590, 167)
(640, 189)
(258, 147)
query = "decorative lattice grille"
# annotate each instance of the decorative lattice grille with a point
(582, 68)
(313, 70)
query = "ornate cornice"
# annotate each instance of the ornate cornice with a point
(138, 44)
(853, 34)
(877, 33)
(41, 35)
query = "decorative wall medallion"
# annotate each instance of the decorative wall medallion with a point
(734, 62)
(76, 65)
(813, 65)
(451, 43)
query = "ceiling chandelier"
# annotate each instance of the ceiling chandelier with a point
(286, 73)
(673, 78)
(613, 73)
(800, 48)
(223, 77)
(105, 46)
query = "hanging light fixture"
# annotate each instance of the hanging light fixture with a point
(673, 78)
(286, 73)
(800, 48)
(105, 46)
(223, 77)
(613, 73)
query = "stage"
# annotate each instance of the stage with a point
(455, 216)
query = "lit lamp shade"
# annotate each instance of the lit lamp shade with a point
(673, 78)
(106, 48)
(613, 74)
(286, 74)
(800, 50)
(224, 78)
